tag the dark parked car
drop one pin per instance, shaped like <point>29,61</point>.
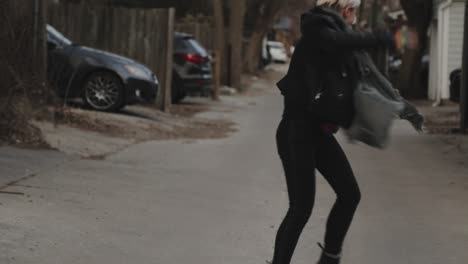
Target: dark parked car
<point>455,85</point>
<point>105,81</point>
<point>192,68</point>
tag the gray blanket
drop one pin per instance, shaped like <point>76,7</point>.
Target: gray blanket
<point>377,104</point>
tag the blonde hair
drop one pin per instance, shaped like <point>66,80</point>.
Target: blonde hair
<point>339,3</point>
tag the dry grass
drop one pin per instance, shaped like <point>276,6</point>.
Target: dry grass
<point>15,128</point>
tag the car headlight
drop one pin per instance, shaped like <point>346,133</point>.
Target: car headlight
<point>137,71</point>
<point>155,79</point>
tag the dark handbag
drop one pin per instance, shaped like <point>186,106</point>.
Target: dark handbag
<point>332,101</point>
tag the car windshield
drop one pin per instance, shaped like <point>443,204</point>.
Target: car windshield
<point>57,36</point>
<point>198,48</point>
<point>276,45</point>
<point>188,44</point>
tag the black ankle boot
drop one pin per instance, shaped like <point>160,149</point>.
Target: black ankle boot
<point>328,258</point>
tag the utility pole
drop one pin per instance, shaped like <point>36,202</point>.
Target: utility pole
<point>464,82</point>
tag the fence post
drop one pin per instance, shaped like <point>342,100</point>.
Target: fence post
<point>41,48</point>
<point>167,98</point>
<point>216,74</point>
<point>197,31</point>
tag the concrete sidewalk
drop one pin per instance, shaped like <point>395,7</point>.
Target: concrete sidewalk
<point>16,163</point>
<point>221,201</point>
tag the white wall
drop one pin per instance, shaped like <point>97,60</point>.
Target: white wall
<point>455,44</point>
<point>446,47</point>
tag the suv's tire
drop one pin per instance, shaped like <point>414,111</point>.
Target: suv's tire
<point>177,92</point>
<point>178,98</point>
<point>103,91</point>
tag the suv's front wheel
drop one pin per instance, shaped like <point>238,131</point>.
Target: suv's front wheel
<point>104,91</point>
<point>177,93</point>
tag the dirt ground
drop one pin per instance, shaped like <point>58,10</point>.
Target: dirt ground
<point>443,119</point>
<point>78,131</point>
<point>14,126</point>
<point>92,134</point>
<point>142,123</point>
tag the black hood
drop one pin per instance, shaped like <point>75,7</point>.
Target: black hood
<point>320,17</point>
<point>110,57</point>
<point>96,53</point>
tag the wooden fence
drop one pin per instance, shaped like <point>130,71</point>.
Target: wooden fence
<point>144,35</point>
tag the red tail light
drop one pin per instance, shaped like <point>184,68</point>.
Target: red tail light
<point>193,58</point>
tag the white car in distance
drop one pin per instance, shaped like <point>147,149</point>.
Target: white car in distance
<point>278,51</point>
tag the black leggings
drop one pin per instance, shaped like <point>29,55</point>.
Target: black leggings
<point>303,147</point>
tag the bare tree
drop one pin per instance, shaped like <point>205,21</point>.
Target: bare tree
<point>261,16</point>
<point>23,65</point>
<point>22,51</point>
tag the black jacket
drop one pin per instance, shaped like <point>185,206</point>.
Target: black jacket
<point>325,46</point>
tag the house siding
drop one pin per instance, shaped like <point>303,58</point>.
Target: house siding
<point>447,36</point>
<point>455,44</point>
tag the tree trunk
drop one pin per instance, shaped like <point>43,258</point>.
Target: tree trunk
<point>218,43</point>
<point>265,13</point>
<point>236,35</point>
<point>253,52</point>
<point>376,8</point>
<point>419,13</point>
